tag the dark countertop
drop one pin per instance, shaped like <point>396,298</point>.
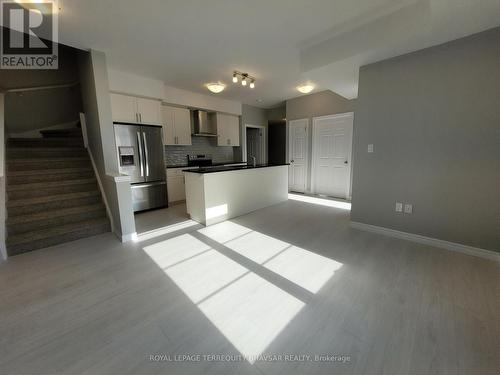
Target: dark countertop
<point>203,170</point>
<point>213,164</point>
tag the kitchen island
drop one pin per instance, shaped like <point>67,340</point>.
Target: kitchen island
<point>215,194</point>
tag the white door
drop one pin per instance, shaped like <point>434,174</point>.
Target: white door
<point>298,155</point>
<point>149,111</point>
<point>332,143</point>
<point>123,108</point>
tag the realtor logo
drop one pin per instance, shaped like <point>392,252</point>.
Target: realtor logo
<point>29,35</point>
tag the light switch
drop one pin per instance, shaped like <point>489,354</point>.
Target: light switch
<point>399,207</point>
<point>370,148</point>
<point>408,208</point>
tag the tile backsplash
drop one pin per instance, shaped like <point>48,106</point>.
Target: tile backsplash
<point>176,155</point>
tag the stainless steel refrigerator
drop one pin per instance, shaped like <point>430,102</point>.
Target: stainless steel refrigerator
<point>141,156</point>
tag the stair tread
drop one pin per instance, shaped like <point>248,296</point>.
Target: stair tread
<point>50,184</point>
<point>26,218</point>
<point>44,141</point>
<point>47,160</point>
<point>51,198</point>
<point>37,235</point>
<point>36,172</point>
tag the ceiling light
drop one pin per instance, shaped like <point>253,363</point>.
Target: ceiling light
<point>305,89</point>
<point>244,77</point>
<point>216,87</point>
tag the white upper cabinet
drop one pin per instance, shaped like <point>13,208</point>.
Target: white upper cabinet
<point>149,111</point>
<point>176,126</point>
<point>123,108</point>
<point>126,108</point>
<point>228,130</point>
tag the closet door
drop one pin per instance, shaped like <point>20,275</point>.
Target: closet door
<point>332,143</point>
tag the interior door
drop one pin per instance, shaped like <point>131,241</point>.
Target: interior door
<point>332,143</point>
<point>154,164</point>
<point>253,146</point>
<point>129,151</point>
<point>298,155</point>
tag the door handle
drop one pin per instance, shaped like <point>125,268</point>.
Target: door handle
<point>345,162</point>
<point>140,153</point>
<point>146,152</point>
<point>292,161</point>
<point>140,117</point>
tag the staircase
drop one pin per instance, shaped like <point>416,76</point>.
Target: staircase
<point>52,192</point>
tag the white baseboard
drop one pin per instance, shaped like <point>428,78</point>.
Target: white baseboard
<point>452,246</point>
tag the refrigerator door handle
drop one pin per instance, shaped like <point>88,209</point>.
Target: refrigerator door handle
<point>140,152</point>
<point>146,152</point>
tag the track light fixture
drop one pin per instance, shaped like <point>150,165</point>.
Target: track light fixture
<point>245,78</point>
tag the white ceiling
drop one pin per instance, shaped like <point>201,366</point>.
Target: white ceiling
<point>282,43</point>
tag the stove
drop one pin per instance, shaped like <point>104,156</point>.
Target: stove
<point>199,160</point>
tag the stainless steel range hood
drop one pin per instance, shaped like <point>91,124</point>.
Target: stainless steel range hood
<point>202,124</point>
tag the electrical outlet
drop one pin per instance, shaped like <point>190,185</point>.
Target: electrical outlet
<point>399,207</point>
<point>370,148</point>
<point>408,208</point>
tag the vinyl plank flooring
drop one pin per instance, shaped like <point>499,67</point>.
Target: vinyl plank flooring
<point>96,306</point>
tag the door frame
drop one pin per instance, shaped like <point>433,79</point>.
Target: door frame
<point>263,142</point>
<point>308,156</point>
<point>315,149</point>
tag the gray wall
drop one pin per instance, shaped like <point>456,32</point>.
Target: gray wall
<point>97,109</point>
<point>3,210</point>
<point>67,72</point>
<point>176,155</point>
<point>313,105</point>
<point>434,119</point>
<point>32,110</point>
<point>277,114</point>
<point>319,104</point>
<point>253,115</point>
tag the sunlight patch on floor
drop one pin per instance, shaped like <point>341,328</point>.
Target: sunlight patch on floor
<point>247,309</point>
<point>257,246</point>
<point>174,250</point>
<point>251,313</point>
<point>224,231</point>
<point>305,268</point>
<point>165,230</point>
<point>205,274</point>
<point>320,201</point>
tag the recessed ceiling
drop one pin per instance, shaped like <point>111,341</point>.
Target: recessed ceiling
<point>281,43</point>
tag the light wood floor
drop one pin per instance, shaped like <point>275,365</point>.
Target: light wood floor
<point>97,306</point>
